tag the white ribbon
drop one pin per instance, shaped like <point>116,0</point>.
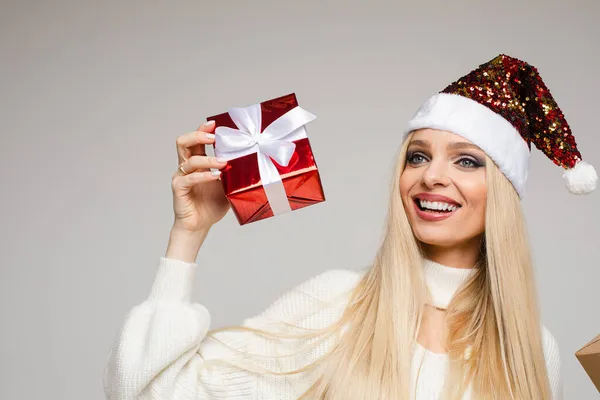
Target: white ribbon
<point>276,141</point>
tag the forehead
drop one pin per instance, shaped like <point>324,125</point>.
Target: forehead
<point>435,135</point>
<point>442,140</point>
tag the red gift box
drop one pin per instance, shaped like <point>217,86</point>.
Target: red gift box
<point>253,198</point>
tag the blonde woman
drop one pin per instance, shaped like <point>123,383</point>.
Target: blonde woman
<point>448,309</point>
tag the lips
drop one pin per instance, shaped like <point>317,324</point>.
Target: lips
<point>435,197</point>
<point>434,215</point>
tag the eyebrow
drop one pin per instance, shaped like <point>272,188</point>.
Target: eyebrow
<point>451,145</point>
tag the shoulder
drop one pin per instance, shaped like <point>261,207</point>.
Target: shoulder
<point>323,292</point>
<point>550,344</point>
<point>330,283</point>
<point>553,361</point>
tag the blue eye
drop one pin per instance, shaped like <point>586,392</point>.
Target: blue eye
<point>416,158</point>
<point>413,158</point>
<point>470,163</point>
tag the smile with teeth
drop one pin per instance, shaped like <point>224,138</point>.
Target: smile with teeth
<point>436,206</point>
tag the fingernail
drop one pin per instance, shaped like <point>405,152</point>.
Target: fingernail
<point>221,159</point>
<point>215,173</point>
<point>210,135</point>
<point>209,123</point>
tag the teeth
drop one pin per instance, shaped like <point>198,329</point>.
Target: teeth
<point>436,205</point>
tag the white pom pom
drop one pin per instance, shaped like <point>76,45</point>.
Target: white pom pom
<point>581,179</point>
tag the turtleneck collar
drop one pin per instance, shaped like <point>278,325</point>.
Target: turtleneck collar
<point>443,281</point>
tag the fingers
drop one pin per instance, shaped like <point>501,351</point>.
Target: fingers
<point>208,126</point>
<point>202,163</point>
<point>183,183</point>
<point>193,143</point>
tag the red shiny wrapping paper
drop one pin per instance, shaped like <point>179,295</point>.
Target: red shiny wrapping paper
<point>241,178</point>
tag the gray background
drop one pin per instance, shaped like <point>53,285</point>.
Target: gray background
<point>95,93</point>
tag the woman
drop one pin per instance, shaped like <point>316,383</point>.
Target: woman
<point>448,308</point>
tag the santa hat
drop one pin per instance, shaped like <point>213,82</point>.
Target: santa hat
<point>503,106</point>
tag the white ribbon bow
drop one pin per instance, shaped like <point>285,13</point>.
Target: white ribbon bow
<point>276,141</point>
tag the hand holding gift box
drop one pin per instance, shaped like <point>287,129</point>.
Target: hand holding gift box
<point>271,168</point>
<point>589,358</point>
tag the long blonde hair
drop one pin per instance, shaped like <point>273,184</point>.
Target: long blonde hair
<point>495,313</point>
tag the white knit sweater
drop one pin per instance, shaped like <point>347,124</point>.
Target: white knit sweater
<point>161,351</point>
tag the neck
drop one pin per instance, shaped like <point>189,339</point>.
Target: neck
<point>464,255</point>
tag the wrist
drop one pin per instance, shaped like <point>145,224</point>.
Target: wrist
<point>184,245</point>
<point>182,232</point>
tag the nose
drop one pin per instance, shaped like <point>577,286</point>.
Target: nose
<point>436,174</point>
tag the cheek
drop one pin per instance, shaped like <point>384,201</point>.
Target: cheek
<point>475,192</point>
<point>407,181</point>
<point>406,184</point>
<point>403,186</point>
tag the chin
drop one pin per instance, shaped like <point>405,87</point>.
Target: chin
<point>439,236</point>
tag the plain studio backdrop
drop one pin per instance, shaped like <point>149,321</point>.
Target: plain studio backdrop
<point>95,93</point>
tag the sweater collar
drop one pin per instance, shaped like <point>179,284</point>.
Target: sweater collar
<point>443,281</point>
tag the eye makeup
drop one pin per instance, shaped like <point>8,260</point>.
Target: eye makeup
<point>476,162</point>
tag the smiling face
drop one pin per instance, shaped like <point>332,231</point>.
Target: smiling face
<point>443,188</point>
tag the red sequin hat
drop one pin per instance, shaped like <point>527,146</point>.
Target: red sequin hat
<point>503,106</point>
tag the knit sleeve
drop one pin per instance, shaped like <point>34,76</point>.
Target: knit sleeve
<point>159,351</point>
<point>553,363</point>
<point>162,351</point>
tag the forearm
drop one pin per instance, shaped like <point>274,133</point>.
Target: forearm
<point>184,245</point>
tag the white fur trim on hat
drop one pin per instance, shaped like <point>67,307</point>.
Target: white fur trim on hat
<point>497,137</point>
